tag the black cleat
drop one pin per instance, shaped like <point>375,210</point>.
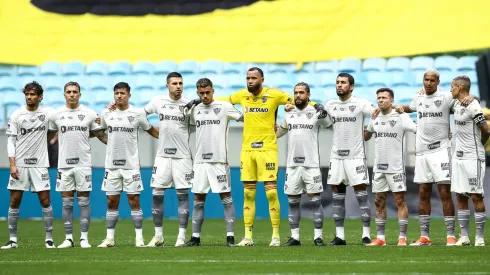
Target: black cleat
<point>193,242</point>
<point>337,241</point>
<point>230,241</point>
<point>366,241</point>
<point>319,242</point>
<point>292,242</point>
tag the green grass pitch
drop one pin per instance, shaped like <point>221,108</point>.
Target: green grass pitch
<point>215,258</point>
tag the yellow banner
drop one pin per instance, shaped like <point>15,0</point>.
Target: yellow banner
<point>278,31</point>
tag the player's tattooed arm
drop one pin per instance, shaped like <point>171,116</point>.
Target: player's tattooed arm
<point>479,119</point>
<point>154,132</point>
<point>101,135</point>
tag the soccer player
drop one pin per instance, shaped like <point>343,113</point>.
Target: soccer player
<point>122,161</point>
<point>74,124</point>
<point>468,166</point>
<point>211,169</point>
<point>433,153</point>
<point>389,129</point>
<point>173,161</point>
<point>28,156</point>
<point>303,163</point>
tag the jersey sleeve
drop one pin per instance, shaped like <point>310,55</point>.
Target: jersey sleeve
<point>52,121</point>
<point>234,98</point>
<point>150,107</point>
<point>367,108</point>
<point>370,127</point>
<point>103,116</point>
<point>413,104</point>
<point>12,126</point>
<point>448,97</point>
<point>143,121</point>
<point>192,119</point>
<point>476,113</point>
<point>231,112</point>
<point>93,125</point>
<point>284,98</point>
<point>408,124</point>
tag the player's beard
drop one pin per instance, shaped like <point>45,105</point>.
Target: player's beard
<point>301,105</point>
<point>253,89</point>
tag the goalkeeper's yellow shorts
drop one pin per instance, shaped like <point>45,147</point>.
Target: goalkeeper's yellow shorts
<point>258,166</point>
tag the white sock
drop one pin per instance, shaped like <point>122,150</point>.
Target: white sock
<point>69,236</point>
<point>159,232</point>
<point>182,232</point>
<point>14,239</point>
<point>196,235</point>
<point>110,234</point>
<point>366,232</point>
<point>139,232</point>
<point>318,233</point>
<point>230,234</point>
<point>84,235</point>
<point>295,233</point>
<point>339,231</point>
<point>381,237</point>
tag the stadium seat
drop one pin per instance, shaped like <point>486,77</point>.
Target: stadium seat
<point>316,94</point>
<point>143,83</point>
<point>327,66</point>
<point>313,80</point>
<point>143,68</point>
<point>446,78</point>
<point>165,67</point>
<point>281,68</point>
<point>421,63</point>
<point>475,90</point>
<point>9,84</point>
<point>306,68</point>
<point>377,79</point>
<point>120,68</point>
<point>32,71</point>
<point>330,93</point>
<point>234,68</point>
<point>97,68</point>
<point>102,99</point>
<point>154,120</point>
<point>350,65</point>
<point>11,101</point>
<point>368,93</point>
<point>401,79</point>
<point>188,67</point>
<point>280,81</point>
<point>190,81</point>
<point>54,99</point>
<point>374,64</point>
<point>7,71</point>
<point>360,79</point>
<point>146,96</point>
<point>263,66</point>
<point>211,67</point>
<point>160,84</point>
<point>237,82</point>
<point>473,77</point>
<point>405,93</point>
<point>53,83</point>
<point>73,68</point>
<point>328,79</point>
<point>397,64</point>
<point>99,84</point>
<point>445,63</point>
<point>219,81</point>
<point>466,63</point>
<point>51,68</point>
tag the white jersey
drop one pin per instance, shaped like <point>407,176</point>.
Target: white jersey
<point>468,134</point>
<point>433,113</point>
<point>348,126</point>
<point>389,131</point>
<point>74,126</point>
<point>303,126</point>
<point>212,130</point>
<point>122,136</point>
<point>30,130</point>
<point>174,126</point>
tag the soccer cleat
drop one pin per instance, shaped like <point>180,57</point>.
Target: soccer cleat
<point>319,242</point>
<point>140,242</point>
<point>463,241</point>
<point>402,241</point>
<point>292,242</point>
<point>246,242</point>
<point>50,244</point>
<point>275,242</point>
<point>107,243</point>
<point>450,241</point>
<point>423,241</point>
<point>194,241</point>
<point>84,243</point>
<point>180,242</point>
<point>10,244</point>
<point>67,243</point>
<point>337,241</point>
<point>365,241</point>
<point>156,242</point>
<point>377,242</point>
<point>230,241</point>
<point>479,242</point>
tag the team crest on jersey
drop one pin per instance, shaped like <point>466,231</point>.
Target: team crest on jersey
<point>392,123</point>
<point>352,108</point>
<point>62,118</point>
<point>427,106</point>
<point>81,117</point>
<point>70,117</point>
<point>438,103</point>
<point>130,119</point>
<point>32,119</point>
<point>216,110</point>
<point>181,108</point>
<point>171,107</point>
<point>41,117</point>
<point>206,112</point>
<point>264,99</point>
<point>341,109</point>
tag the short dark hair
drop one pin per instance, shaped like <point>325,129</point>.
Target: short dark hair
<point>465,80</point>
<point>33,86</point>
<point>122,85</point>
<point>173,74</point>
<point>72,83</point>
<point>258,70</point>
<point>303,84</point>
<point>349,77</point>
<point>203,83</point>
<point>390,91</point>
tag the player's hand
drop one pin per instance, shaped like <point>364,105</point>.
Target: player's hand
<point>111,106</point>
<point>14,172</point>
<point>421,91</point>
<point>375,113</point>
<point>289,107</point>
<point>191,104</point>
<point>276,127</point>
<point>54,139</point>
<point>399,109</point>
<point>450,136</point>
<point>97,119</point>
<point>467,100</point>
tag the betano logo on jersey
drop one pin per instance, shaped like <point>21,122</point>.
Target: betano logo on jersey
<point>203,122</point>
<point>65,129</point>
<point>24,131</point>
<point>343,119</point>
<point>300,126</point>
<point>255,110</point>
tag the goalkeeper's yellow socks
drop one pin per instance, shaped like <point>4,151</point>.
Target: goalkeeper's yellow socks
<point>249,211</point>
<point>274,210</point>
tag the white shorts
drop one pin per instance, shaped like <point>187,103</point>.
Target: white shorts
<point>301,180</point>
<point>433,167</point>
<point>467,176</point>
<point>211,175</point>
<point>74,179</point>
<point>350,172</point>
<point>171,172</point>
<point>118,180</point>
<point>384,182</point>
<point>34,178</point>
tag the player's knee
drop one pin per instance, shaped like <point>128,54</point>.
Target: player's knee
<point>379,200</point>
<point>478,202</point>
<point>182,194</point>
<point>271,195</point>
<point>270,186</point>
<point>249,194</point>
<point>83,201</point>
<point>134,201</point>
<point>400,202</point>
<point>294,200</point>
<point>200,197</point>
<point>45,202</point>
<point>15,202</point>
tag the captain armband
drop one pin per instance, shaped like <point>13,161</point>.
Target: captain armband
<point>479,118</point>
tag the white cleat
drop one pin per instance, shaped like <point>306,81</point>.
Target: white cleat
<point>246,242</point>
<point>180,242</point>
<point>479,242</point>
<point>140,242</point>
<point>50,244</point>
<point>84,243</point>
<point>10,244</point>
<point>156,242</point>
<point>275,242</point>
<point>107,243</point>
<point>67,243</point>
<point>463,241</point>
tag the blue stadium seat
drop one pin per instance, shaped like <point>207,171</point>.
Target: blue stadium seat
<point>130,79</point>
<point>313,80</point>
<point>445,63</point>
<point>280,81</point>
<point>143,83</point>
<point>405,93</point>
<point>100,84</point>
<point>401,79</point>
<point>219,81</point>
<point>446,78</point>
<point>51,68</point>
<point>421,63</point>
<point>330,93</point>
<point>306,68</point>
<point>211,67</point>
<point>143,68</point>
<point>466,63</point>
<point>9,84</point>
<point>188,67</point>
<point>53,83</point>
<point>27,71</point>
<point>473,77</point>
<point>331,66</point>
<point>165,67</point>
<point>397,64</point>
<point>403,101</point>
<point>120,68</point>
<point>378,79</point>
<point>135,101</point>
<point>317,93</point>
<point>475,90</point>
<point>350,65</point>
<point>234,68</point>
<point>73,68</point>
<point>374,64</point>
<point>190,81</point>
<point>237,82</point>
<point>146,96</point>
<point>263,66</point>
<point>12,101</point>
<point>7,71</point>
<point>219,92</point>
<point>329,80</point>
<point>154,120</point>
<point>360,79</point>
<point>281,68</point>
<point>54,99</point>
<point>102,99</point>
<point>97,68</point>
<point>160,84</point>
<point>368,93</point>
